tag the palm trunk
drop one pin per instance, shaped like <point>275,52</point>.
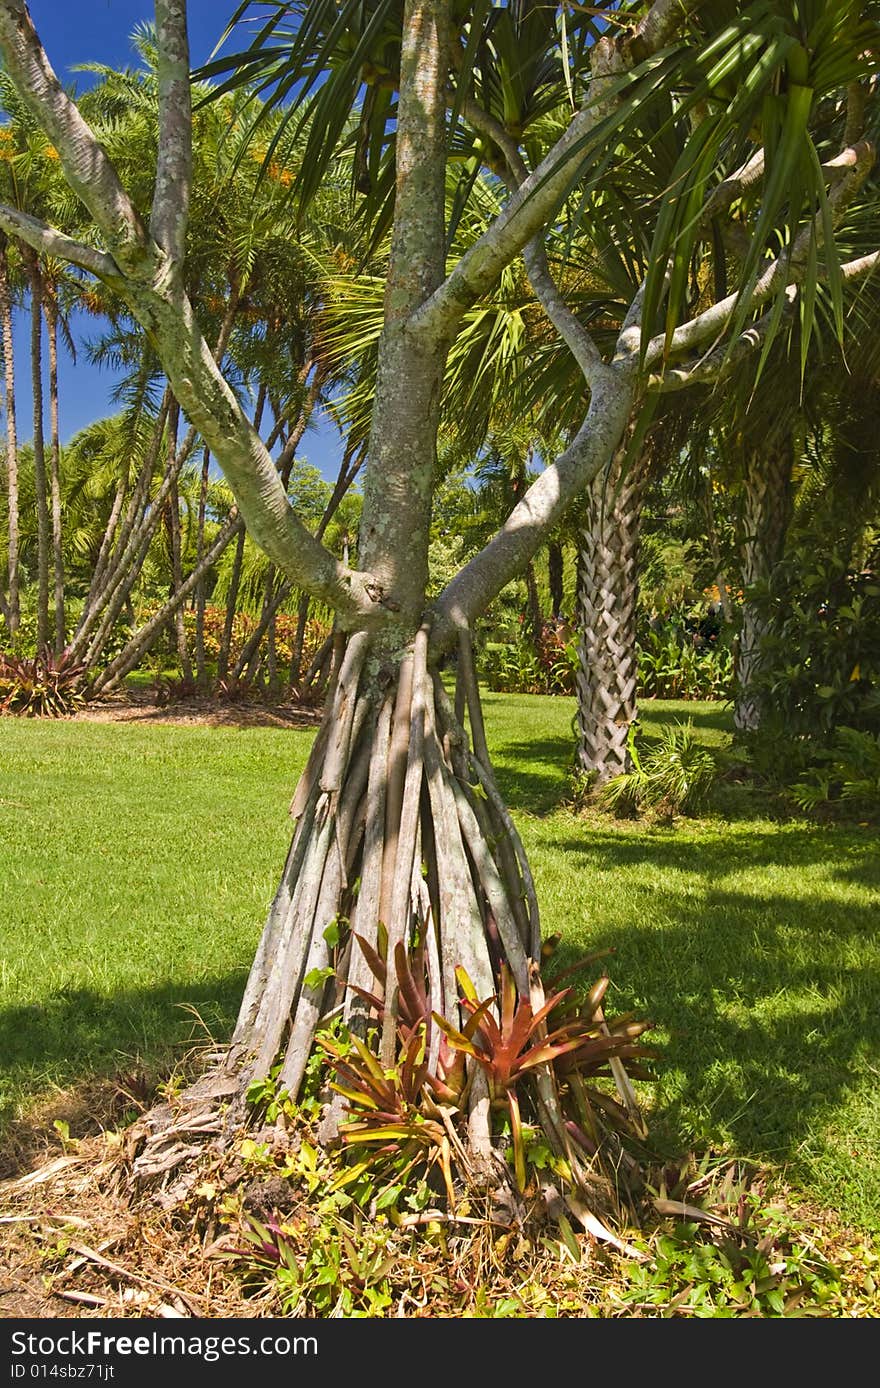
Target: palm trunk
<point>766,513</point>
<point>296,654</point>
<point>235,577</point>
<point>534,619</point>
<point>51,308</point>
<point>201,670</point>
<point>40,481</point>
<point>13,600</point>
<point>117,570</point>
<point>231,608</point>
<point>606,609</point>
<point>172,522</point>
<point>555,574</point>
<point>142,640</point>
<point>177,584</point>
<point>110,530</point>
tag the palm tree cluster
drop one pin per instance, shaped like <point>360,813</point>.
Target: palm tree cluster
<point>119,537</point>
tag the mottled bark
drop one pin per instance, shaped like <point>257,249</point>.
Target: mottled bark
<point>148,276</point>
<point>399,482</point>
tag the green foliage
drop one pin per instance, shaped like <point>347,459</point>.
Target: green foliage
<point>671,667</point>
<point>340,1268</point>
<point>673,775</point>
<point>41,686</point>
<point>515,667</point>
<point>821,661</point>
<point>674,662</point>
<point>847,774</point>
<point>773,1272</point>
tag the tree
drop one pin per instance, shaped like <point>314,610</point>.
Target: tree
<point>391,778</point>
<point>12,499</point>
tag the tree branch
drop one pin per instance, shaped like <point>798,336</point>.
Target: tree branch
<point>86,167</point>
<point>717,365</point>
<point>538,197</point>
<point>712,322</point>
<point>572,332</point>
<point>546,500</point>
<point>48,241</point>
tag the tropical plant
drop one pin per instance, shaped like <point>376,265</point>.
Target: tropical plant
<point>847,775</point>
<point>672,774</point>
<point>671,666</point>
<point>821,654</point>
<point>519,1043</point>
<point>41,686</point>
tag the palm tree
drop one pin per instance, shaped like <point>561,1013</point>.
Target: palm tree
<point>12,499</point>
<point>393,773</point>
<point>51,311</point>
<point>41,493</point>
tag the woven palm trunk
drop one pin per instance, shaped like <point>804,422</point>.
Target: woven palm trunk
<point>606,608</point>
<point>766,512</point>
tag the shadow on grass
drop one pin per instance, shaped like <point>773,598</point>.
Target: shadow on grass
<point>770,1000</point>
<point>659,714</point>
<point>534,776</point>
<point>79,1036</point>
<point>794,844</point>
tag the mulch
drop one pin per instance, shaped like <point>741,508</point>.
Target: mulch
<point>199,712</point>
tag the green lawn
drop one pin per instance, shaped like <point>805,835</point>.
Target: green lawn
<point>137,861</point>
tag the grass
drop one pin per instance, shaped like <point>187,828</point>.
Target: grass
<point>138,860</point>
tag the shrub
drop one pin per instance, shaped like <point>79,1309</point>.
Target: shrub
<point>673,667</point>
<point>673,663</point>
<point>821,662</point>
<point>673,775</point>
<point>41,686</point>
<point>513,668</point>
<point>848,773</point>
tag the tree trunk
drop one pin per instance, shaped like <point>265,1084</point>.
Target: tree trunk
<point>40,481</point>
<point>606,612</point>
<point>142,640</point>
<point>534,618</point>
<point>177,583</point>
<point>296,653</point>
<point>51,308</point>
<point>231,608</point>
<point>119,569</point>
<point>201,668</point>
<point>13,601</point>
<point>766,513</point>
<point>555,576</point>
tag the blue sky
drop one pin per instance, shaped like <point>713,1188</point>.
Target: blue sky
<point>80,31</point>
